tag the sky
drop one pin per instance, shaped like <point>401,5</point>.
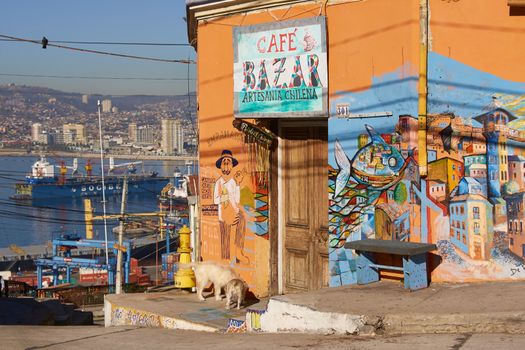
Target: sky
<point>158,21</point>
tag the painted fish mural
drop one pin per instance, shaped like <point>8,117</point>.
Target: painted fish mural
<point>378,164</point>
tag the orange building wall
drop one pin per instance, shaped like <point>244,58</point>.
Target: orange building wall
<point>215,99</point>
<point>480,34</point>
<point>364,39</point>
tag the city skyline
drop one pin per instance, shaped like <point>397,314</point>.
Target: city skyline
<point>116,21</point>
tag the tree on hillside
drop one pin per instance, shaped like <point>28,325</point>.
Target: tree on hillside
<point>400,193</point>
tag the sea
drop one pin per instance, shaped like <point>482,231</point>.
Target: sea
<point>36,223</point>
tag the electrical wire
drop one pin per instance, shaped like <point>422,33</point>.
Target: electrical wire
<point>101,52</point>
<point>88,77</point>
<point>108,43</point>
<point>29,206</point>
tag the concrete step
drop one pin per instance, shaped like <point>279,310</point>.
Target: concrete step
<point>81,318</point>
<point>285,317</point>
<point>97,311</point>
<point>291,316</point>
<point>61,314</point>
<point>66,313</point>
<point>491,322</point>
<point>24,311</point>
<point>387,307</point>
<point>174,309</point>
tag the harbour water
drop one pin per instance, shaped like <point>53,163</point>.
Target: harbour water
<point>31,223</point>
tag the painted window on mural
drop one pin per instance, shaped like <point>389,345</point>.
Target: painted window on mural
<point>475,212</point>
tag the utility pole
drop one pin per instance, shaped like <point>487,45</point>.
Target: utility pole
<point>422,88</point>
<point>118,282</point>
<point>103,187</point>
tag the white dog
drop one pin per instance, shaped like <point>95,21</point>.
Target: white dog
<point>206,272</point>
<point>235,291</point>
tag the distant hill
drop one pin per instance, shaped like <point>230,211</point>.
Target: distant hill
<point>31,95</point>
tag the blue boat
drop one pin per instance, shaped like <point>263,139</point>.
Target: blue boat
<point>44,184</point>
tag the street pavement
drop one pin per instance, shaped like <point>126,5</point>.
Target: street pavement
<point>97,337</point>
<point>379,308</point>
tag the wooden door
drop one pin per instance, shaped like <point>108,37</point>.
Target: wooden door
<point>477,251</point>
<point>305,203</point>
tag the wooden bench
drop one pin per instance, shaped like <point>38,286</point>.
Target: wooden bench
<point>414,260</point>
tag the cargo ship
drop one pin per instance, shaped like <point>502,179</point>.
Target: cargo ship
<point>44,184</point>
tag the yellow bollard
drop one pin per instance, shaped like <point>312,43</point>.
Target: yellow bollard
<point>184,277</point>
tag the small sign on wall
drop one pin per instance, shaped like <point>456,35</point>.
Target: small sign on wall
<point>280,69</point>
<point>342,110</point>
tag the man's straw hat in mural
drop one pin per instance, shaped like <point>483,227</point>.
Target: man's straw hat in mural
<point>226,154</point>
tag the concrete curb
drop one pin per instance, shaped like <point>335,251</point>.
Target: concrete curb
<point>285,317</point>
<point>493,322</point>
<point>115,315</point>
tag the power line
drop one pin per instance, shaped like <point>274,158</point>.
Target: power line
<point>100,52</point>
<point>32,206</point>
<point>107,43</point>
<point>88,77</point>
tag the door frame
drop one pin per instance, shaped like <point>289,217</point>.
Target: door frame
<point>280,190</point>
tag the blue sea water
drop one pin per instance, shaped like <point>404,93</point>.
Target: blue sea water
<point>26,223</point>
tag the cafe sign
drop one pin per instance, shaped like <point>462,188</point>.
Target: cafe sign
<point>280,69</point>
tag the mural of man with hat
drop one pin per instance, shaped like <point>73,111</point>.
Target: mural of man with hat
<point>227,196</point>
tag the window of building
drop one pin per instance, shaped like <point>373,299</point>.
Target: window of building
<point>511,241</point>
<point>464,239</point>
<point>462,209</point>
<point>463,225</point>
<point>475,211</point>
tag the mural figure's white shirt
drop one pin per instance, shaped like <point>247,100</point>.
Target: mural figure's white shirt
<point>230,192</point>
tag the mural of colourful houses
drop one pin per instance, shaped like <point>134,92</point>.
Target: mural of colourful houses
<point>471,201</point>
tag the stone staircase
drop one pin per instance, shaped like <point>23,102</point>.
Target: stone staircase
<point>30,311</point>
